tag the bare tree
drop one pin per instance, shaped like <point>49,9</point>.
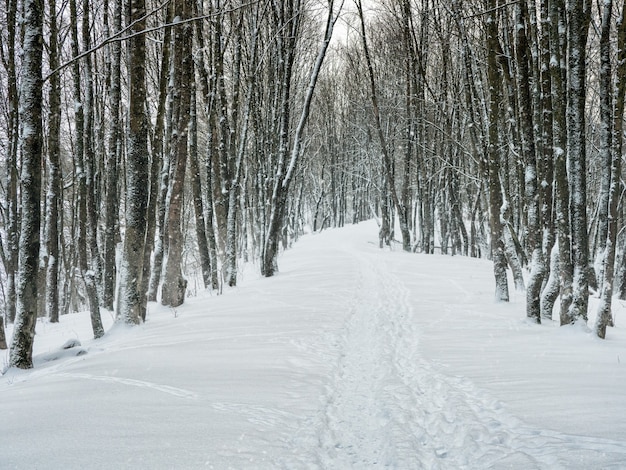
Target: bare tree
<point>131,298</point>
<point>534,233</point>
<point>174,284</point>
<point>286,168</point>
<point>53,196</point>
<point>495,194</point>
<point>21,353</point>
<point>613,126</point>
<point>578,19</point>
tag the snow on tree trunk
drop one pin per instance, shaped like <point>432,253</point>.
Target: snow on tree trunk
<point>30,104</point>
<point>562,212</point>
<point>552,287</point>
<point>111,186</point>
<point>12,236</point>
<point>196,189</point>
<point>285,170</point>
<point>130,297</point>
<point>577,28</point>
<point>400,206</point>
<point>495,192</point>
<point>174,283</point>
<point>53,196</point>
<point>534,232</point>
<point>614,133</point>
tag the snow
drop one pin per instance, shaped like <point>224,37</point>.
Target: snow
<point>351,357</point>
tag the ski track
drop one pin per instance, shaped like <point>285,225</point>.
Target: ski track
<point>387,407</point>
<point>174,391</point>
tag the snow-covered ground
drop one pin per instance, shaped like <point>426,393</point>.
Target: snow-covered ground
<point>352,357</point>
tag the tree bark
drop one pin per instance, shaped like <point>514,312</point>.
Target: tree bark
<point>534,229</point>
<point>399,205</point>
<point>21,353</point>
<point>495,192</point>
<point>612,130</point>
<point>53,197</point>
<point>174,283</point>
<point>578,15</point>
<point>285,173</point>
<point>111,179</point>
<point>131,298</point>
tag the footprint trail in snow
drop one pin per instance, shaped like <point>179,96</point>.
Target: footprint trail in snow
<point>388,407</point>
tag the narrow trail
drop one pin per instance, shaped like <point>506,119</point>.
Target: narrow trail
<point>388,407</point>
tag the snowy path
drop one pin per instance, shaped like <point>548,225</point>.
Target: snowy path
<point>390,408</point>
<point>351,358</point>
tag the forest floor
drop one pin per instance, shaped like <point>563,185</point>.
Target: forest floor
<point>352,357</point>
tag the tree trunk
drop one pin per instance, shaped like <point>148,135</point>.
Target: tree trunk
<point>112,174</point>
<point>21,353</point>
<point>562,215</point>
<point>159,174</point>
<point>13,227</point>
<point>196,187</point>
<point>612,130</point>
<point>398,204</point>
<point>552,288</point>
<point>53,202</point>
<point>534,238</point>
<point>131,298</point>
<point>495,192</point>
<point>577,28</point>
<point>174,284</point>
<point>90,266</point>
<point>285,173</point>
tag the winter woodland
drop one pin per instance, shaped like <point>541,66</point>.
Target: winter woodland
<point>149,149</point>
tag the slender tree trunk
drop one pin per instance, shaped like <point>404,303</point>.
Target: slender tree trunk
<point>495,192</point>
<point>112,174</point>
<point>196,187</point>
<point>159,176</point>
<point>285,173</point>
<point>577,28</point>
<point>21,353</point>
<point>87,216</point>
<point>236,183</point>
<point>562,215</point>
<point>131,298</point>
<point>399,205</point>
<point>534,238</point>
<point>12,250</point>
<point>174,284</point>
<point>546,188</point>
<point>208,88</point>
<point>612,130</point>
<point>54,174</point>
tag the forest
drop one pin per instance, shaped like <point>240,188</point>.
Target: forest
<point>149,148</point>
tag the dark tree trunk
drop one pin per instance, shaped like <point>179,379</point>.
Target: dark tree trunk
<point>578,18</point>
<point>399,205</point>
<point>131,298</point>
<point>495,192</point>
<point>562,214</point>
<point>90,266</point>
<point>112,174</point>
<point>612,129</point>
<point>159,177</point>
<point>12,249</point>
<point>174,284</point>
<point>53,202</point>
<point>534,238</point>
<point>196,187</point>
